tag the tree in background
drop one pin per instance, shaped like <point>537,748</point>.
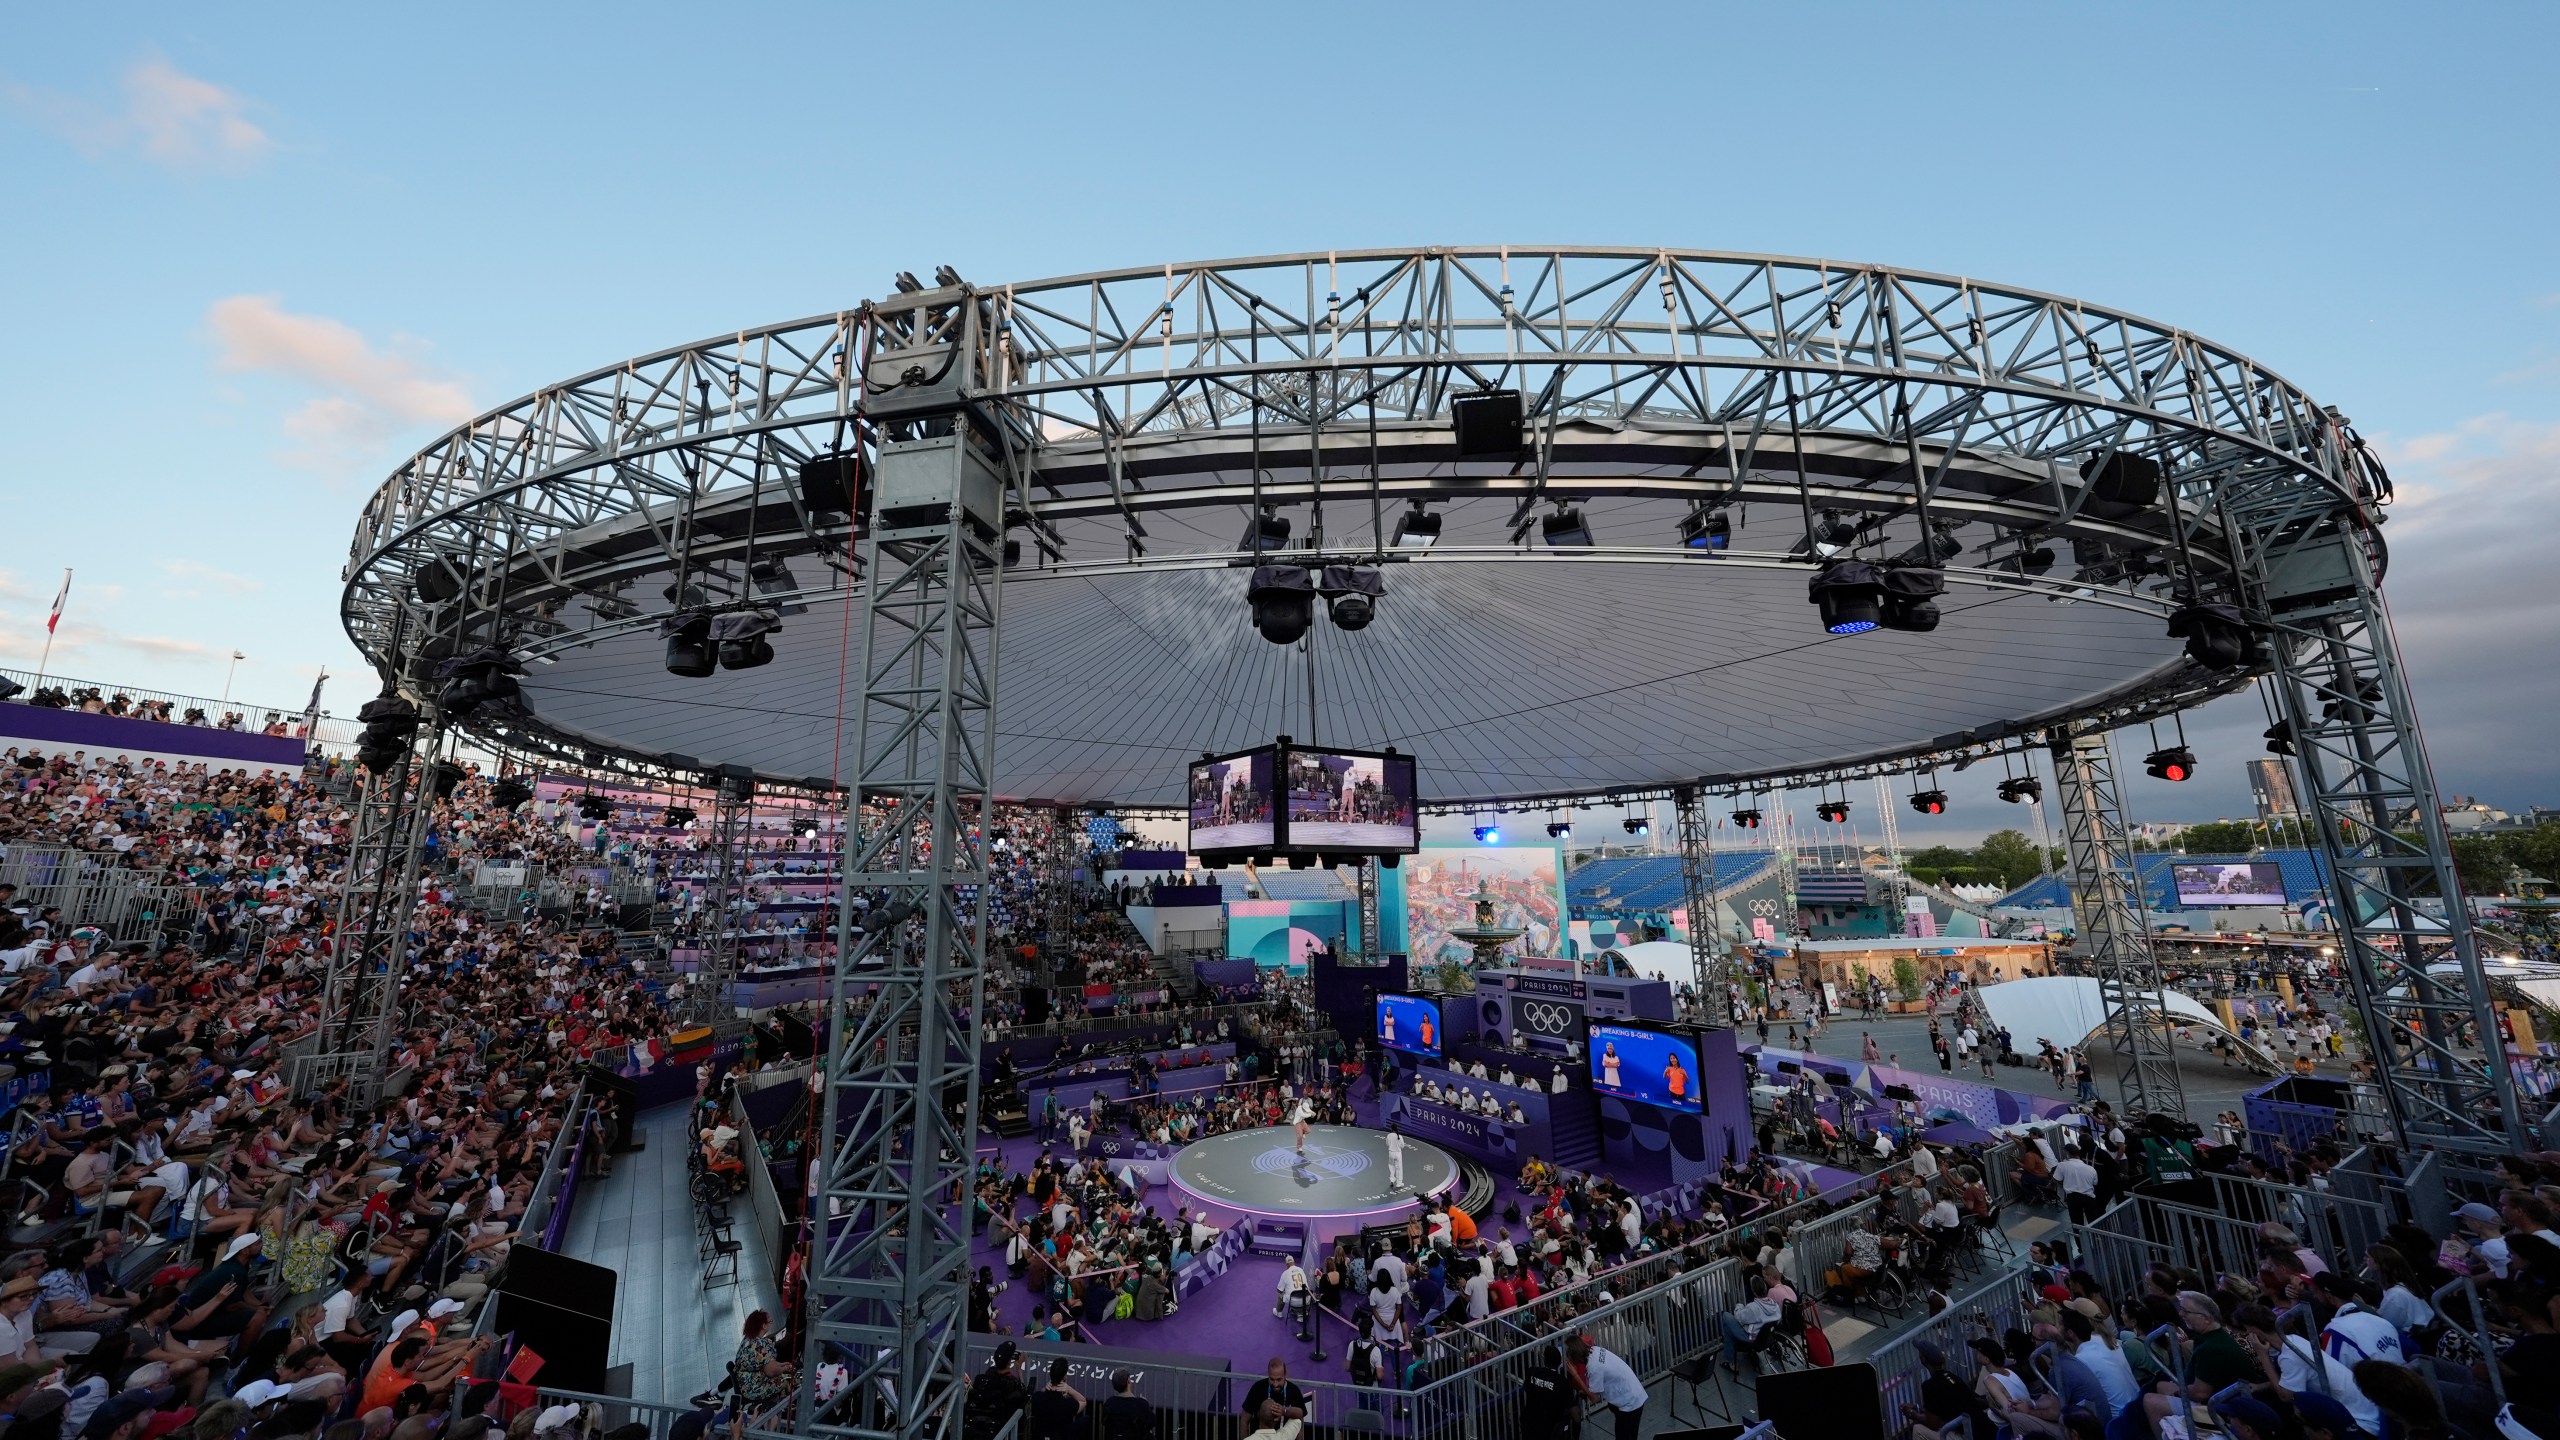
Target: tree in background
<point>2221,837</point>
<point>2010,853</point>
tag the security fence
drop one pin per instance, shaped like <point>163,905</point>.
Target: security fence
<point>94,890</point>
<point>1994,1308</point>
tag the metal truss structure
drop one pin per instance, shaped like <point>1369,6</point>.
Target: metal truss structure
<point>2342,704</point>
<point>1128,422</point>
<point>360,997</point>
<point>1371,951</point>
<point>713,997</point>
<point>1698,893</point>
<point>1060,860</point>
<point>2114,930</point>
<point>889,1256</point>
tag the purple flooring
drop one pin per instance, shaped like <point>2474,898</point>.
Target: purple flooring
<point>1230,1319</point>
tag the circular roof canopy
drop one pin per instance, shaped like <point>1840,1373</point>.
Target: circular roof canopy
<point>1506,676</point>
<point>2083,468</point>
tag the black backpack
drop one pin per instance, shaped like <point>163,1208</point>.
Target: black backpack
<point>1364,1362</point>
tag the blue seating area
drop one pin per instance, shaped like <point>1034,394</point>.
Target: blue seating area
<point>2305,878</point>
<point>1642,883</point>
<point>1282,883</point>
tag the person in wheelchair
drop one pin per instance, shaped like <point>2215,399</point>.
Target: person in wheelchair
<point>720,1157</point>
<point>1855,1275</point>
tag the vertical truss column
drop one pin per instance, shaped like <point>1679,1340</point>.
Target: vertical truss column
<point>386,844</point>
<point>2415,975</point>
<point>1059,861</point>
<point>1371,951</point>
<point>713,999</point>
<point>1897,891</point>
<point>2115,934</point>
<point>889,1249</point>
<point>1782,849</point>
<point>1698,893</point>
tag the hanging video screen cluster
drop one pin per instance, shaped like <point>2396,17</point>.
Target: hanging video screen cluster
<point>1304,799</point>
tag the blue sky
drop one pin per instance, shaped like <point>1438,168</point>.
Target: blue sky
<point>251,258</point>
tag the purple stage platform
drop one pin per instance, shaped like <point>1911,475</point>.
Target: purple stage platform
<point>1338,1185</point>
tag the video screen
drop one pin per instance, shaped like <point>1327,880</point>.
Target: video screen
<point>1409,1023</point>
<point>1646,1066</point>
<point>2211,886</point>
<point>1231,803</point>
<point>1345,801</point>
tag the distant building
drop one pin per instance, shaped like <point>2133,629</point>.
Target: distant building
<point>2271,784</point>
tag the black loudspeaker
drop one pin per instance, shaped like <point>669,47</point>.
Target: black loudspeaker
<point>633,915</point>
<point>1035,1004</point>
<point>2124,480</point>
<point>1487,424</point>
<point>563,1309</point>
<point>1839,1403</point>
<point>798,1040</point>
<point>832,485</point>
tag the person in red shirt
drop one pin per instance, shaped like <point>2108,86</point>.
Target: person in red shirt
<point>1527,1286</point>
<point>1502,1295</point>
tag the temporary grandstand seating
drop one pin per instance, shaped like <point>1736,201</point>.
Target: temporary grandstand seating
<point>1642,884</point>
<point>2305,878</point>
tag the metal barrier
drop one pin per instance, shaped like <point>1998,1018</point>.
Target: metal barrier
<point>2117,1248</point>
<point>2001,1303</point>
<point>1818,1244</point>
<point>2340,1226</point>
<point>92,889</point>
<point>332,730</point>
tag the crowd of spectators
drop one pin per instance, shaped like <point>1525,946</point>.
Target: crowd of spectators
<point>195,1243</point>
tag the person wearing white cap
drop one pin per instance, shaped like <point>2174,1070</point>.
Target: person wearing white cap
<point>556,1418</point>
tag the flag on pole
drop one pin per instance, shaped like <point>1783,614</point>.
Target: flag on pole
<point>59,597</point>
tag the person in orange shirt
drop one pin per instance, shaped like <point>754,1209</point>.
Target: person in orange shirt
<point>1675,1078</point>
<point>1426,1032</point>
<point>1462,1226</point>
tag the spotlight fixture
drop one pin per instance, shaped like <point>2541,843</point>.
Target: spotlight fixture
<point>2218,637</point>
<point>1265,533</point>
<point>592,806</point>
<point>1910,595</point>
<point>1559,830</point>
<point>2021,789</point>
<point>1939,547</point>
<point>1929,802</point>
<point>679,817</point>
<point>1711,532</point>
<point>2031,560</point>
<point>1832,534</point>
<point>804,827</point>
<point>1351,594</point>
<point>1283,598</point>
<point>691,651</point>
<point>2175,763</point>
<point>771,576</point>
<point>2279,739</point>
<point>443,778</point>
<point>9,688</point>
<point>1834,811</point>
<point>1850,595</point>
<point>1634,825</point>
<point>389,722</point>
<point>1416,529</point>
<point>1488,834</point>
<point>1565,527</point>
<point>1746,819</point>
<point>510,793</point>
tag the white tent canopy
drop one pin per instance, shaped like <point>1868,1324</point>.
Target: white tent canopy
<point>1660,960</point>
<point>2067,1010</point>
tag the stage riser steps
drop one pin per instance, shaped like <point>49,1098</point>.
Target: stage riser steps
<point>1577,1136</point>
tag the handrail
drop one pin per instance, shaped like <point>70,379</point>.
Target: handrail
<point>540,1202</point>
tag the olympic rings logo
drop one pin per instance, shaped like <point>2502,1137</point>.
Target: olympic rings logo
<point>1545,1018</point>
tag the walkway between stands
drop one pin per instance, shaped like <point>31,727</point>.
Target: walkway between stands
<point>676,1337</point>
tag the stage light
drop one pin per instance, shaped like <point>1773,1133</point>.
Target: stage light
<point>510,793</point>
<point>679,817</point>
<point>2279,739</point>
<point>1636,826</point>
<point>1488,834</point>
<point>1746,819</point>
<point>1565,527</point>
<point>2033,560</point>
<point>1909,595</point>
<point>806,826</point>
<point>1832,811</point>
<point>1929,802</point>
<point>1416,529</point>
<point>2175,763</point>
<point>2021,789</point>
<point>1559,831</point>
<point>1939,547</point>
<point>9,689</point>
<point>771,576</point>
<point>1351,594</point>
<point>1283,598</point>
<point>443,778</point>
<point>1850,596</point>
<point>1710,532</point>
<point>690,651</point>
<point>1264,533</point>
<point>2218,636</point>
<point>389,722</point>
<point>1833,534</point>
<point>592,806</point>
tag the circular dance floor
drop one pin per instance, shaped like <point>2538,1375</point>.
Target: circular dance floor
<point>1342,1175</point>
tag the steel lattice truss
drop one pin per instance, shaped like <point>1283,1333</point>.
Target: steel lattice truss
<point>713,997</point>
<point>360,995</point>
<point>2114,929</point>
<point>1698,894</point>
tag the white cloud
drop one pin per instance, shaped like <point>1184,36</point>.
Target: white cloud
<point>367,394</point>
<point>180,120</point>
<point>222,579</point>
